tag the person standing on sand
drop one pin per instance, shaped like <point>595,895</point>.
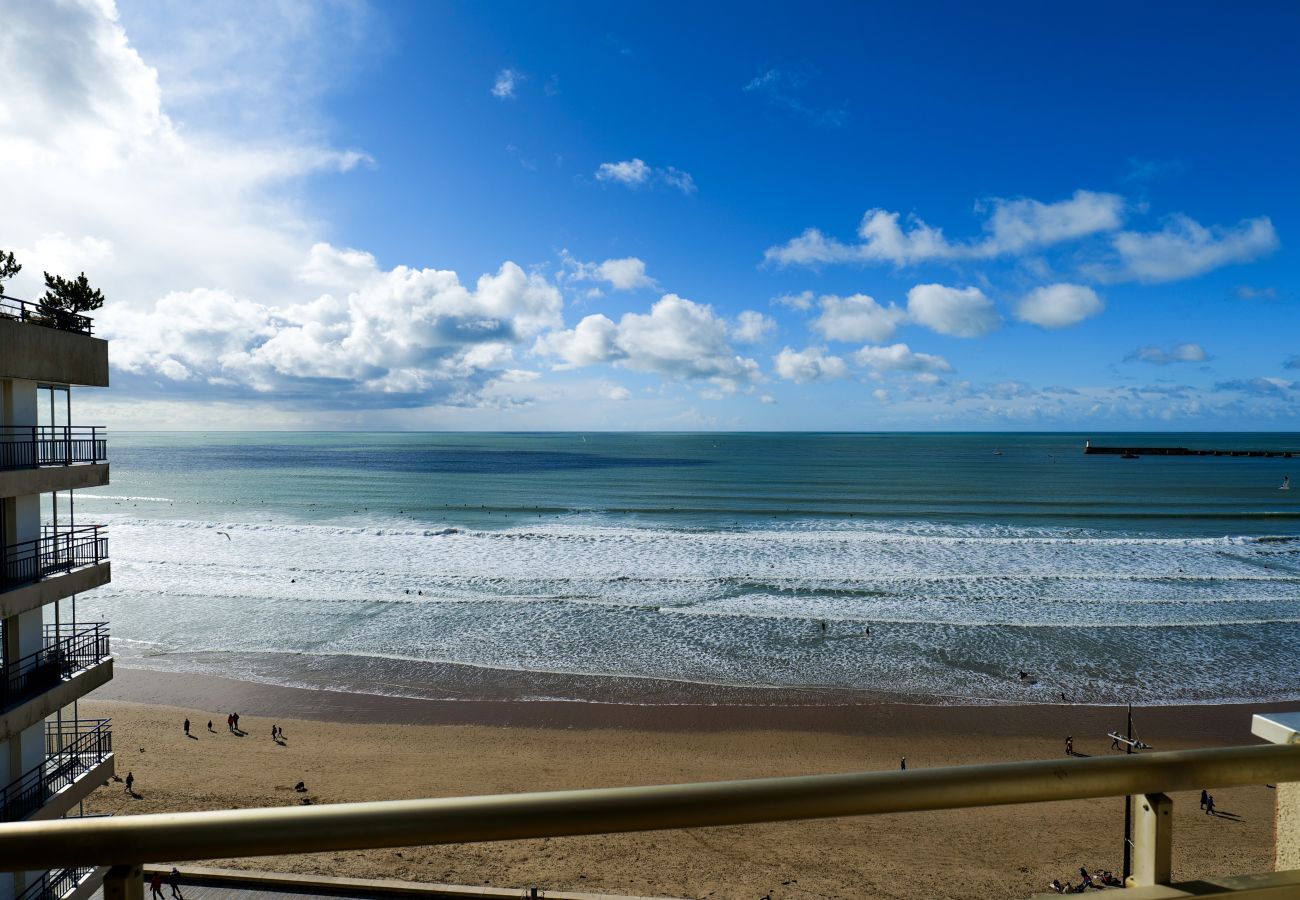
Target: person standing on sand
<point>187,727</point>
<point>1205,797</point>
<point>1069,746</point>
<point>130,783</point>
<point>235,718</point>
<point>210,728</point>
<point>902,765</point>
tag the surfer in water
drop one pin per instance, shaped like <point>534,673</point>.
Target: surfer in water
<point>1286,483</point>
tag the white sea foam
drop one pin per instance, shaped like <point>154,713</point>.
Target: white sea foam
<point>952,609</point>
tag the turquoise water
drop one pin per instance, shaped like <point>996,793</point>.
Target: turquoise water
<point>366,561</point>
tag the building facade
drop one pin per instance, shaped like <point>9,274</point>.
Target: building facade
<point>50,757</point>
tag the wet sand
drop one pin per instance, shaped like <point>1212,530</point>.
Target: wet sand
<point>358,747</point>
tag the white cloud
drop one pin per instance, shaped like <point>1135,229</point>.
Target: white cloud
<point>809,364</point>
<point>1184,248</point>
<point>627,273</point>
<point>1059,305</point>
<point>636,173</point>
<point>800,301</point>
<point>1013,226</point>
<point>678,339</point>
<point>617,392</point>
<point>900,358</point>
<point>1175,354</point>
<point>398,337</point>
<point>751,327</point>
<point>506,82</point>
<point>857,318</point>
<point>959,312</point>
<point>631,172</point>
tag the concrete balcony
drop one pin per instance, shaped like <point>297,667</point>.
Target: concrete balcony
<point>35,350</point>
<point>56,554</point>
<point>36,459</point>
<point>73,662</point>
<point>78,759</point>
<point>64,884</point>
<point>20,599</point>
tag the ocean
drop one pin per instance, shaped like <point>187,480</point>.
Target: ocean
<point>657,567</point>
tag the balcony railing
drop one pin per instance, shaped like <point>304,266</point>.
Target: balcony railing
<point>56,884</point>
<point>68,649</point>
<point>33,446</point>
<point>72,749</point>
<point>56,550</point>
<point>126,841</point>
<point>13,308</point>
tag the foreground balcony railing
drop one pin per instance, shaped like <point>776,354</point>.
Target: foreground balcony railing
<point>13,308</point>
<point>57,884</point>
<point>72,749</point>
<point>68,649</point>
<point>55,551</point>
<point>127,841</point>
<point>33,446</point>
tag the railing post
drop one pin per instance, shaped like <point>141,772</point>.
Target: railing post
<point>1153,832</point>
<point>124,883</point>
<point>1283,728</point>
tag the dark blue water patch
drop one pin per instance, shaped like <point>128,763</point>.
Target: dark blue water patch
<point>433,460</point>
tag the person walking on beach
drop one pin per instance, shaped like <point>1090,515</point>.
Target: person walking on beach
<point>210,728</point>
<point>130,784</point>
<point>155,886</point>
<point>235,718</point>
<point>230,722</point>
<point>1205,797</point>
<point>187,727</point>
<point>902,765</point>
<point>1209,805</point>
<point>1069,746</point>
<point>174,880</point>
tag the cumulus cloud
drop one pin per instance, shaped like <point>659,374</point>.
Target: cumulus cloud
<point>627,273</point>
<point>636,173</point>
<point>506,82</point>
<point>1012,226</point>
<point>809,364</point>
<point>1059,305</point>
<point>617,392</point>
<point>1184,249</point>
<point>959,312</point>
<point>801,301</point>
<point>752,327</point>
<point>900,358</point>
<point>678,339</point>
<point>1162,357</point>
<point>398,337</point>
<point>856,318</point>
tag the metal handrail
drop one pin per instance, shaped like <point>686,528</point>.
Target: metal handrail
<point>13,308</point>
<point>455,820</point>
<point>56,884</point>
<point>34,446</point>
<point>68,649</point>
<point>71,750</point>
<point>56,550</point>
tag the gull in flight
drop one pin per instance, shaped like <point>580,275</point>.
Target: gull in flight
<point>223,533</point>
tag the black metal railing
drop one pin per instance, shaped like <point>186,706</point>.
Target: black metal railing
<point>56,550</point>
<point>72,749</point>
<point>31,446</point>
<point>55,884</point>
<point>68,649</point>
<point>13,308</point>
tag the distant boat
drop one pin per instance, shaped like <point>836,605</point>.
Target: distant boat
<point>1286,483</point>
<point>1129,456</point>
<point>997,452</point>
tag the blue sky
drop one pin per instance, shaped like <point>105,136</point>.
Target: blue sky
<point>824,217</point>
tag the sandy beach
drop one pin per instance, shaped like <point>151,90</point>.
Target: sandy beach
<point>351,747</point>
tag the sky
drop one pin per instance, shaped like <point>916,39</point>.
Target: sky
<point>592,216</point>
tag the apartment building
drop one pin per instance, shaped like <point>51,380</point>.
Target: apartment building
<point>50,757</point>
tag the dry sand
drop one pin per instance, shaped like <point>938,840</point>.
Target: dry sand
<point>349,748</point>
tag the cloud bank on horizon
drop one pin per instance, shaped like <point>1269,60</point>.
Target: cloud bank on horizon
<point>236,297</point>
